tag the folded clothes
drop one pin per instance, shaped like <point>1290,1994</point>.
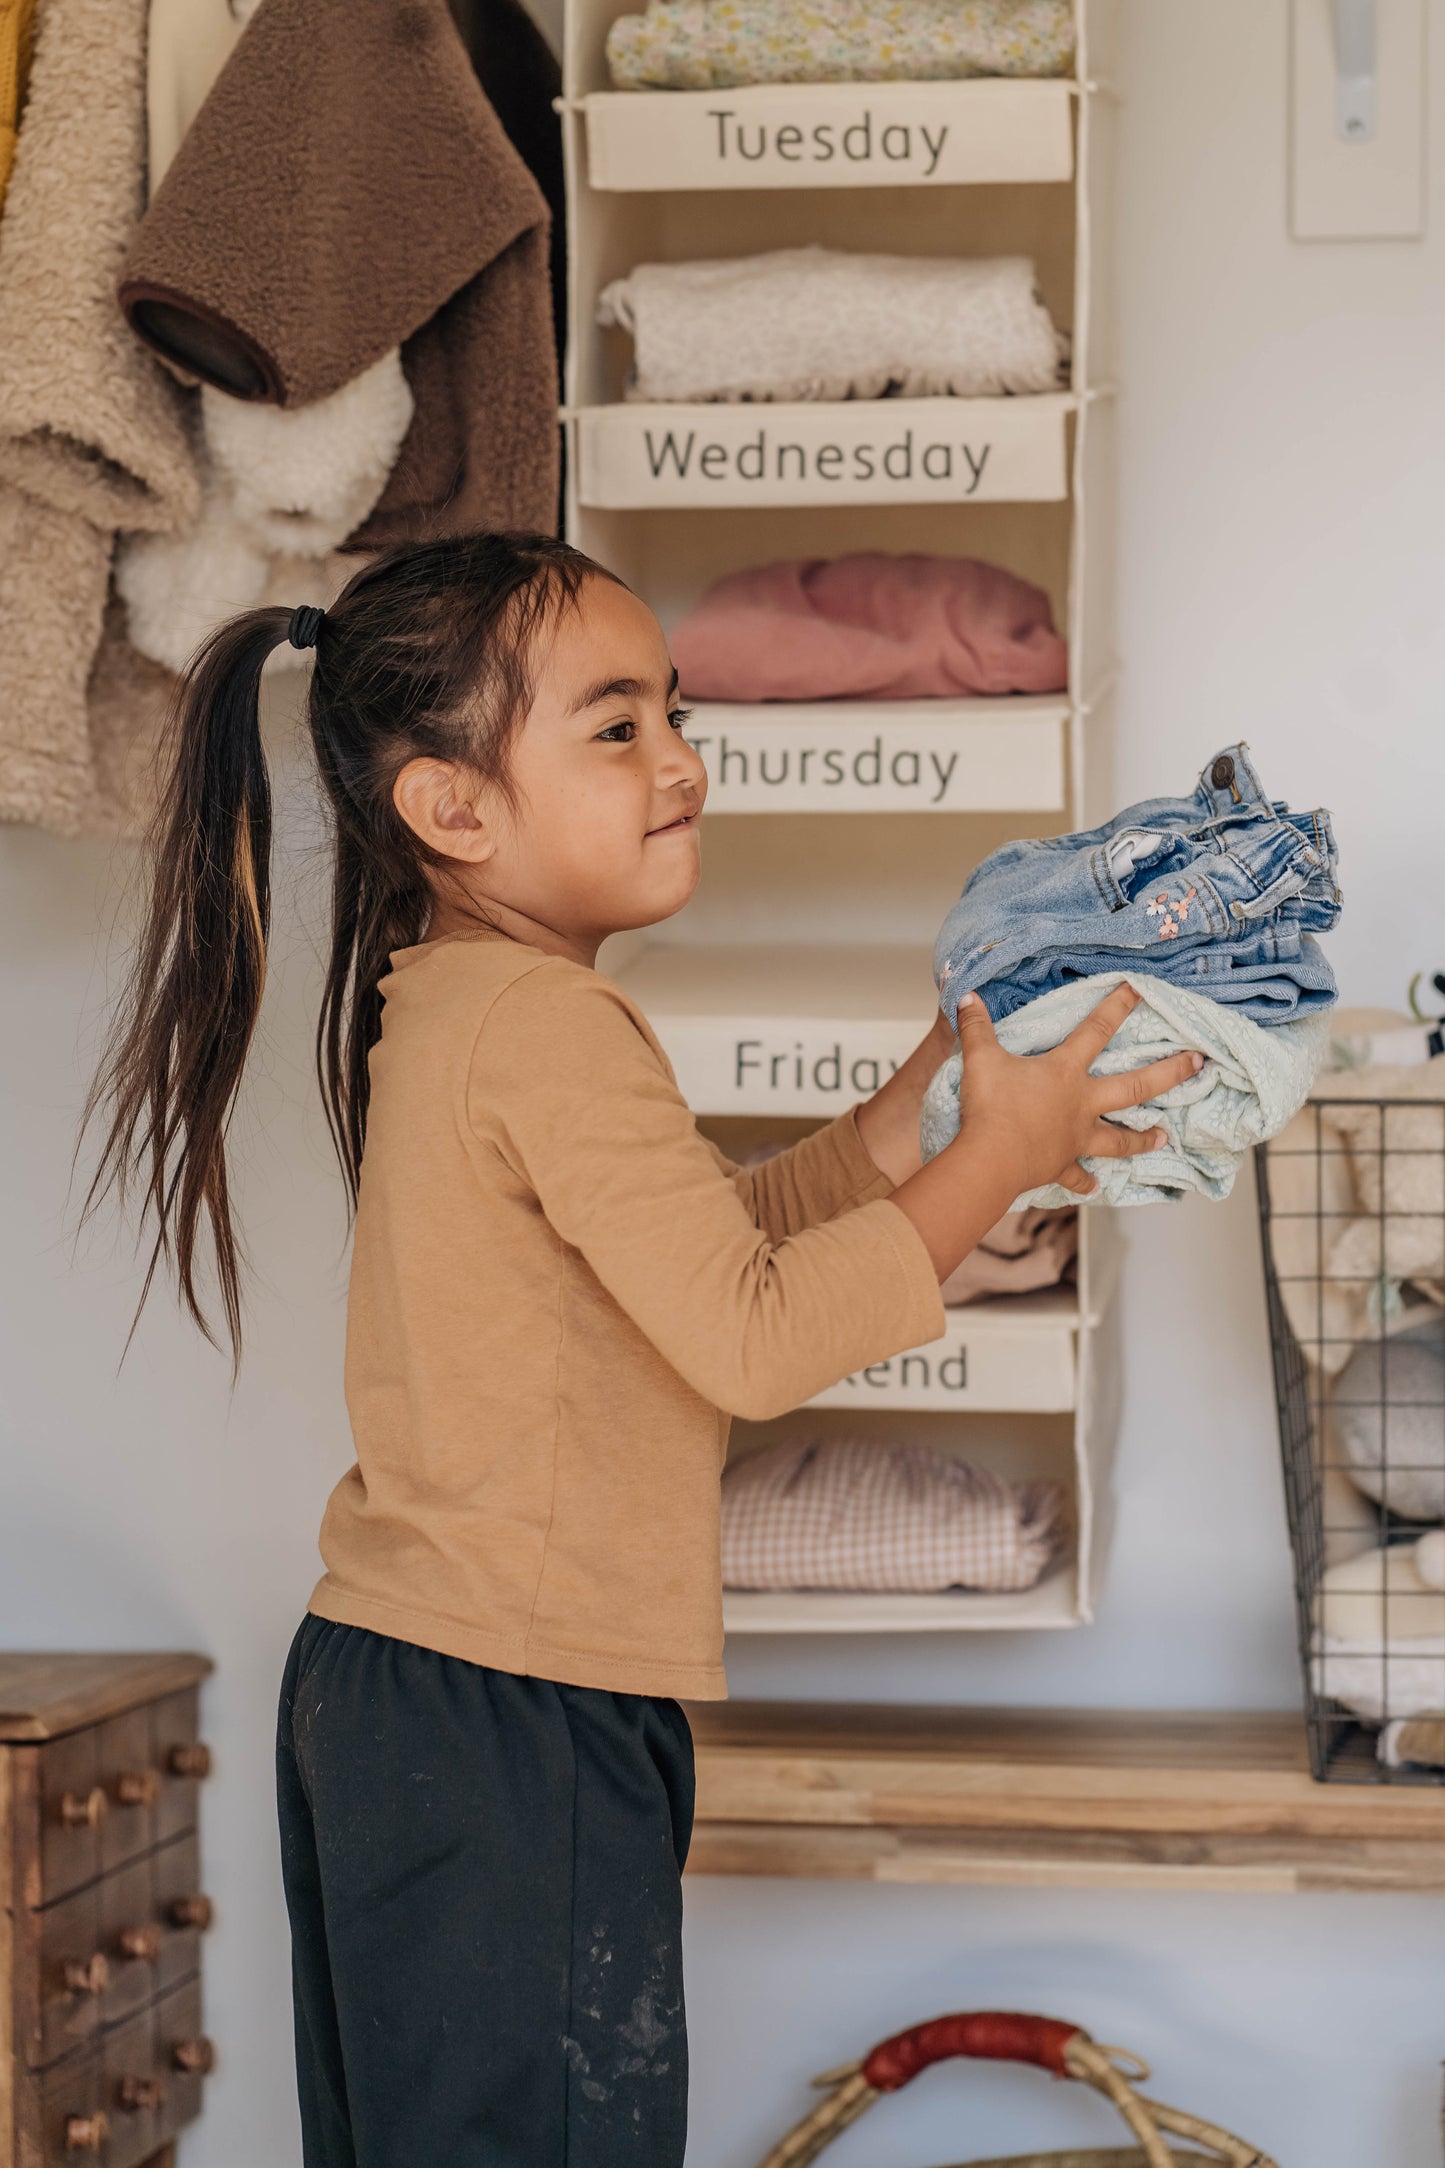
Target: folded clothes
<point>847,1513</point>
<point>1357,1209</point>
<point>822,323</point>
<point>1220,892</point>
<point>1252,1081</point>
<point>1025,1252</point>
<point>722,44</point>
<point>870,627</point>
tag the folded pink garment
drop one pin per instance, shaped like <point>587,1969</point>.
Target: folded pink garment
<point>846,1513</point>
<point>1024,1252</point>
<point>870,627</point>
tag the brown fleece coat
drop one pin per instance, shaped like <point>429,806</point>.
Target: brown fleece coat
<point>94,436</point>
<point>345,188</point>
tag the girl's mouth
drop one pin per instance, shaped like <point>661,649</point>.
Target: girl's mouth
<point>685,820</point>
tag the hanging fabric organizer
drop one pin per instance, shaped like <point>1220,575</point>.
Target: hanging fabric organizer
<point>776,1011</point>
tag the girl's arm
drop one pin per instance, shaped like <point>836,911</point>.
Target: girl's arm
<point>888,1122</point>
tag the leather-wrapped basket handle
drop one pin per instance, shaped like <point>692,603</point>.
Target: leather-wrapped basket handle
<point>1000,2036</point>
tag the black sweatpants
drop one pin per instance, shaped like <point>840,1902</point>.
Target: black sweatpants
<point>483,1874</point>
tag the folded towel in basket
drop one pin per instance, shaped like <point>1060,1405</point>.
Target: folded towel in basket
<point>1379,1642</point>
<point>846,1513</point>
<point>822,323</point>
<point>721,44</point>
<point>870,627</point>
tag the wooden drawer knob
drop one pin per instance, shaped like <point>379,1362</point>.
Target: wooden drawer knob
<point>192,1912</point>
<point>87,1976</point>
<point>140,2093</point>
<point>86,2133</point>
<point>138,1787</point>
<point>86,1813</point>
<point>197,2056</point>
<point>190,1761</point>
<point>141,1943</point>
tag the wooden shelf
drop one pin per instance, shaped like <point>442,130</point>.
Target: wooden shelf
<point>1066,1798</point>
<point>884,756</point>
<point>649,456</point>
<point>830,135</point>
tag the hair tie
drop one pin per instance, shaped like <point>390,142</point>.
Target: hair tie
<point>305,624</point>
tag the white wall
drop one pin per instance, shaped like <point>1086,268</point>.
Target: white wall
<point>1282,437</point>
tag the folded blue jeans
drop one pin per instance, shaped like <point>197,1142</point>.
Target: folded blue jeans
<point>1221,893</point>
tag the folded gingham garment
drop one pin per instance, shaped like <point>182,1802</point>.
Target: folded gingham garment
<point>844,1513</point>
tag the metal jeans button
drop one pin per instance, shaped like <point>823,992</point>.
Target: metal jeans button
<point>1222,772</point>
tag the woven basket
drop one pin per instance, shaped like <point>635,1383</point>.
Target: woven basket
<point>1066,2051</point>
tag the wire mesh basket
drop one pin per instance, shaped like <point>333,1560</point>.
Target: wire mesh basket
<point>1065,2051</point>
<point>1352,1218</point>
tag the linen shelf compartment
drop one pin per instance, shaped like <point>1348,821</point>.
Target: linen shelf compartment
<point>770,1035</point>
<point>884,756</point>
<point>831,135</point>
<point>1017,1445</point>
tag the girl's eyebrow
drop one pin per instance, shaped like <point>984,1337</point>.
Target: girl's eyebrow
<point>621,688</point>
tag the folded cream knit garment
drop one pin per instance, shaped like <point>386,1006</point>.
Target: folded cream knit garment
<point>716,44</point>
<point>821,323</point>
<point>848,1513</point>
<point>94,436</point>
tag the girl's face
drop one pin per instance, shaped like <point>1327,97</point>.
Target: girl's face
<point>603,835</point>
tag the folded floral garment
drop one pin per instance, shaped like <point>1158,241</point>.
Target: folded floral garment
<point>1252,1082</point>
<point>845,1513</point>
<point>1357,1202</point>
<point>1221,892</point>
<point>870,627</point>
<point>722,44</point>
<point>1025,1252</point>
<point>822,323</point>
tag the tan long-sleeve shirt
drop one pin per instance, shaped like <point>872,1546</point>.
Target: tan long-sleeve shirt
<point>560,1292</point>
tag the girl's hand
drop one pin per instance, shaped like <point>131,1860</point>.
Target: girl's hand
<point>888,1122</point>
<point>1038,1115</point>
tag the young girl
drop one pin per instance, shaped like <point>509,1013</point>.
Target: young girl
<point>559,1294</point>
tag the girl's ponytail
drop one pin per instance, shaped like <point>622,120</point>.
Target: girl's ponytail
<point>427,652</point>
<point>169,1080</point>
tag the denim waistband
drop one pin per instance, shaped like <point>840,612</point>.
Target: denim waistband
<point>1219,890</point>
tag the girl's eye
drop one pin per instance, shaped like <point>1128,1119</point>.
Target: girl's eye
<point>618,733</point>
<point>679,716</point>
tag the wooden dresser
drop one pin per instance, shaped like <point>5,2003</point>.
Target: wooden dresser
<point>101,1908</point>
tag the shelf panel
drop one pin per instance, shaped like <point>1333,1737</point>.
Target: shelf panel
<point>830,135</point>
<point>1086,1798</point>
<point>647,456</point>
<point>884,756</point>
<point>1052,1603</point>
<point>783,1029</point>
<point>1014,1354</point>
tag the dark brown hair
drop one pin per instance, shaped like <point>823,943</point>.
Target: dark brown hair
<point>428,652</point>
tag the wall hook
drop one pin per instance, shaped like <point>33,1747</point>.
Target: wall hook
<point>1355,34</point>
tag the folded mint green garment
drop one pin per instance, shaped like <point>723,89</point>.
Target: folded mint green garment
<point>1254,1080</point>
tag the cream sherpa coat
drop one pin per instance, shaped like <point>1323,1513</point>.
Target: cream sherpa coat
<point>94,436</point>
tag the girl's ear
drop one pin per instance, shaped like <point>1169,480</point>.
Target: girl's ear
<point>443,806</point>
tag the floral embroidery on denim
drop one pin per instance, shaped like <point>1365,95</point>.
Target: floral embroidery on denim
<point>1170,913</point>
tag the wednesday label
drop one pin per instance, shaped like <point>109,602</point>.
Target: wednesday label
<point>859,451</point>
